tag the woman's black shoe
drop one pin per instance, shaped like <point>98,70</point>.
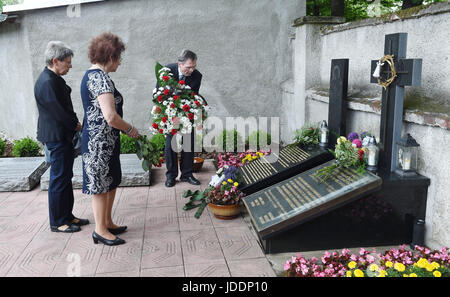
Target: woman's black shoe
<point>117,231</point>
<point>98,238</point>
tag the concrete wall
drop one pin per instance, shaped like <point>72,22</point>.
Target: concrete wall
<point>361,42</point>
<point>244,50</point>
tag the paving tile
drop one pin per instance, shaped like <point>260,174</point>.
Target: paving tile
<point>219,223</point>
<point>177,271</point>
<point>125,257</point>
<point>238,243</point>
<point>258,267</point>
<point>159,197</point>
<point>39,258</point>
<point>9,254</point>
<point>119,274</point>
<point>15,203</point>
<point>21,230</point>
<point>134,197</point>
<point>200,246</point>
<point>79,250</point>
<point>4,195</point>
<point>188,221</point>
<point>212,269</point>
<point>160,219</point>
<point>161,249</point>
<point>134,218</point>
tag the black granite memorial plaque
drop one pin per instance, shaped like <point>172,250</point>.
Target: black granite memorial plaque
<point>293,160</point>
<point>301,198</point>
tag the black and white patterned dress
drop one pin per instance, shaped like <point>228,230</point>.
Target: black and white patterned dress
<point>100,142</point>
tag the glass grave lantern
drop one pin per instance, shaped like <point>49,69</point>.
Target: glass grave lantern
<point>407,149</point>
<point>323,134</point>
<point>372,153</point>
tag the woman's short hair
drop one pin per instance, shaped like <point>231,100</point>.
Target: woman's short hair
<point>104,47</point>
<point>186,55</point>
<point>58,50</point>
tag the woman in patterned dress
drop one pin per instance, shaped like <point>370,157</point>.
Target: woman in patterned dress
<point>103,123</point>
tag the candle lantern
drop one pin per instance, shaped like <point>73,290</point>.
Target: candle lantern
<point>323,134</point>
<point>407,149</point>
<point>372,152</point>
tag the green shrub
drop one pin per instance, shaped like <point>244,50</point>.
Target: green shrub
<point>229,136</point>
<point>2,146</point>
<point>254,137</point>
<point>26,147</point>
<point>127,144</point>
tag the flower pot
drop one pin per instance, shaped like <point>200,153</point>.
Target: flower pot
<point>198,164</point>
<point>225,212</point>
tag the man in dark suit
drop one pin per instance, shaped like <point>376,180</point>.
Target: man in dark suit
<point>183,70</point>
<point>57,125</point>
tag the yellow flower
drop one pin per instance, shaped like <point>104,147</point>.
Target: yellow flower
<point>348,273</point>
<point>254,157</point>
<point>429,267</point>
<point>389,264</point>
<point>236,184</point>
<point>373,267</point>
<point>359,273</point>
<point>383,273</point>
<point>352,265</point>
<point>230,180</point>
<point>435,265</point>
<point>437,274</point>
<point>341,139</point>
<point>412,275</point>
<point>399,267</point>
<point>224,183</point>
<point>422,263</point>
<point>405,275</point>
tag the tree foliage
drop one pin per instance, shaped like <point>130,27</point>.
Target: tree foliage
<point>8,2</point>
<point>361,9</point>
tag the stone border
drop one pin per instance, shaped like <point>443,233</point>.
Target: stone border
<point>373,105</point>
<point>27,181</point>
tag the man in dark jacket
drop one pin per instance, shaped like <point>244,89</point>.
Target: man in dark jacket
<point>57,125</point>
<point>183,70</point>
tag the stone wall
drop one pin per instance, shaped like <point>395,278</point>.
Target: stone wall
<point>244,50</point>
<point>427,108</point>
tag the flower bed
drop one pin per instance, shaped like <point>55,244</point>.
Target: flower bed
<point>422,262</point>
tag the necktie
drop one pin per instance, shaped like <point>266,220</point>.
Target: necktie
<point>182,77</point>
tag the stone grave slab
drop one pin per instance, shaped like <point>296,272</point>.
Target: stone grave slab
<point>280,209</point>
<point>21,174</point>
<point>132,173</point>
<point>292,160</point>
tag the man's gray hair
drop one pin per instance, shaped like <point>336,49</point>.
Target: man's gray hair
<point>58,50</point>
<point>186,55</point>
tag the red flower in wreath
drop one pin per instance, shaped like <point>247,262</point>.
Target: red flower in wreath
<point>166,92</point>
<point>182,82</point>
<point>172,105</point>
<point>161,131</point>
<point>165,78</point>
<point>155,126</point>
<point>176,97</point>
<point>186,108</point>
<point>191,116</point>
<point>158,109</point>
<point>164,119</point>
<point>197,103</point>
<point>160,98</point>
<point>174,131</point>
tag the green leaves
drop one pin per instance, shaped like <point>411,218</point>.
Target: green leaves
<point>307,135</point>
<point>148,152</point>
<point>157,68</point>
<point>194,198</point>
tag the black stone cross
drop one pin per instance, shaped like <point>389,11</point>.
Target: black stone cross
<point>409,73</point>
<point>337,107</point>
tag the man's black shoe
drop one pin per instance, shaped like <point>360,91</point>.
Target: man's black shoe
<point>65,228</point>
<point>170,182</point>
<point>80,222</point>
<point>190,179</point>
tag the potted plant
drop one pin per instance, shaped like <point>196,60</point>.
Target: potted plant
<point>223,196</point>
<point>307,137</point>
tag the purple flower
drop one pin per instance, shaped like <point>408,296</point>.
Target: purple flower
<point>352,136</point>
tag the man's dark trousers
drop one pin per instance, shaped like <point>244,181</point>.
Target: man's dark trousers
<point>187,157</point>
<point>60,193</point>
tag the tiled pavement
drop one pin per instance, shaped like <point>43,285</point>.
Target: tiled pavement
<point>162,238</point>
